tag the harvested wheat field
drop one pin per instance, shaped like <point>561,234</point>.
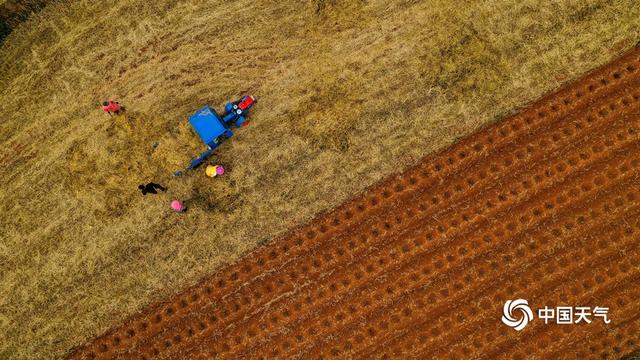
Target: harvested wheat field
<point>349,92</point>
<point>541,206</point>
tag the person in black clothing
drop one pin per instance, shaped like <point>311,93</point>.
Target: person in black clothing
<point>151,188</point>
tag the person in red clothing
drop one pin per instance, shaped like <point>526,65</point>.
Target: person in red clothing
<point>111,107</point>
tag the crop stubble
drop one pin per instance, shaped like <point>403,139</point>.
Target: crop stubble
<point>542,205</point>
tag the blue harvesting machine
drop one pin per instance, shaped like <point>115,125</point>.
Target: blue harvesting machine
<point>213,129</point>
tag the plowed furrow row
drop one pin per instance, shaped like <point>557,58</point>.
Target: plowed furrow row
<point>608,342</point>
<point>237,307</point>
<point>625,302</point>
<point>452,287</point>
<point>625,281</point>
<point>592,223</point>
<point>598,265</point>
<point>467,347</point>
<point>373,267</point>
<point>538,206</point>
<point>623,270</point>
<point>552,333</point>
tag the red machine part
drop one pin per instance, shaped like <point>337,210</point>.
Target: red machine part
<point>246,103</point>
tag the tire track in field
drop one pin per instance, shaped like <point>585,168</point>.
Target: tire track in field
<point>500,187</point>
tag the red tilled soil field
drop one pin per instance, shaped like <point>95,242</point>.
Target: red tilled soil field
<point>541,206</point>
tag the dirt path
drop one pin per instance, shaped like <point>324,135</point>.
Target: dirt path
<point>542,206</point>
